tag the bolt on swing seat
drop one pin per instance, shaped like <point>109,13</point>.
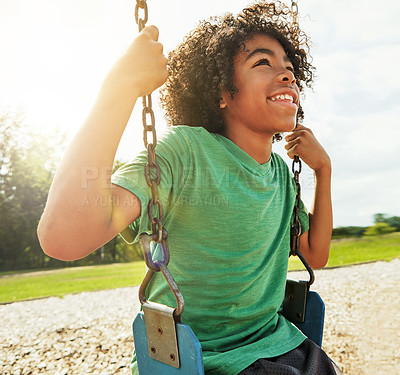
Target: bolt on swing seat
<point>189,349</point>
<point>163,344</point>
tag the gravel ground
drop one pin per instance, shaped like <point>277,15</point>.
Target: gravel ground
<point>90,333</point>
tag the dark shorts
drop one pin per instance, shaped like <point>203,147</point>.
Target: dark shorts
<point>307,359</point>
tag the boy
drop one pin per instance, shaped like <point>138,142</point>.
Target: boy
<point>233,86</point>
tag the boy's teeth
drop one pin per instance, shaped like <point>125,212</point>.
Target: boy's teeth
<point>282,97</point>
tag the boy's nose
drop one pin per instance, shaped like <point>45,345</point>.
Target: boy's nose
<point>287,76</point>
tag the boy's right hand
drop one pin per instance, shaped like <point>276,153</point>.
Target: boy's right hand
<point>143,66</point>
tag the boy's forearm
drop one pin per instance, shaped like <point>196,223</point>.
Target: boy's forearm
<point>315,243</point>
<point>321,221</point>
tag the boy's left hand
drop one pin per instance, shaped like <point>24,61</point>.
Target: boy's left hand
<point>302,142</point>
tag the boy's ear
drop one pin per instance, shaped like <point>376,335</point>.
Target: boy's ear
<point>222,103</point>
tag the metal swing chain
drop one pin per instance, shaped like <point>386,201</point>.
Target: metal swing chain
<point>295,24</point>
<point>295,230</point>
<point>150,130</point>
<point>153,178</point>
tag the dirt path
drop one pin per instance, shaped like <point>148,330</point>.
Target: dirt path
<point>363,317</point>
<point>90,333</point>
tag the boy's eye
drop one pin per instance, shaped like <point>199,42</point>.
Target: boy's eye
<point>262,62</point>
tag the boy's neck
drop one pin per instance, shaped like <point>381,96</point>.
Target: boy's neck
<point>258,146</point>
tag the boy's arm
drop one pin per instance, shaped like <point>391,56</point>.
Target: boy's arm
<point>82,212</point>
<point>315,243</point>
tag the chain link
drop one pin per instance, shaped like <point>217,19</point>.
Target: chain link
<point>295,11</point>
<point>295,23</point>
<point>141,22</point>
<point>152,169</point>
<point>295,230</point>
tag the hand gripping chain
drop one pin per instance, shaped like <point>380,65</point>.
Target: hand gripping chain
<point>153,177</point>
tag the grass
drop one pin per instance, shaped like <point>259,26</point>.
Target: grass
<point>21,286</point>
<point>350,251</point>
<point>17,287</point>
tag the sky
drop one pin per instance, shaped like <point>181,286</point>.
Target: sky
<point>55,54</point>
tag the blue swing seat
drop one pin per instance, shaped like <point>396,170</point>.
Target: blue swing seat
<point>191,357</point>
<point>190,353</point>
<point>313,325</point>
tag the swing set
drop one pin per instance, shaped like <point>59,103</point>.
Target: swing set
<point>163,344</point>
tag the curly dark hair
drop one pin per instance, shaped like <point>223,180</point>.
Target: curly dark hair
<point>201,67</point>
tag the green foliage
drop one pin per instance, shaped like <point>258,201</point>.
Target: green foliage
<point>390,224</point>
<point>380,218</point>
<point>379,228</point>
<point>393,221</point>
<point>346,232</point>
<point>27,165</point>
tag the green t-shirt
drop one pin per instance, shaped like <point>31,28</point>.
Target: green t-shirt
<point>228,221</point>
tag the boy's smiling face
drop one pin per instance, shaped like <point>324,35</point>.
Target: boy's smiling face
<point>268,96</point>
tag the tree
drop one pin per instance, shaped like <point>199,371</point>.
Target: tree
<point>379,228</point>
<point>380,218</point>
<point>28,162</point>
<point>27,166</point>
<point>346,232</point>
<point>393,221</point>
